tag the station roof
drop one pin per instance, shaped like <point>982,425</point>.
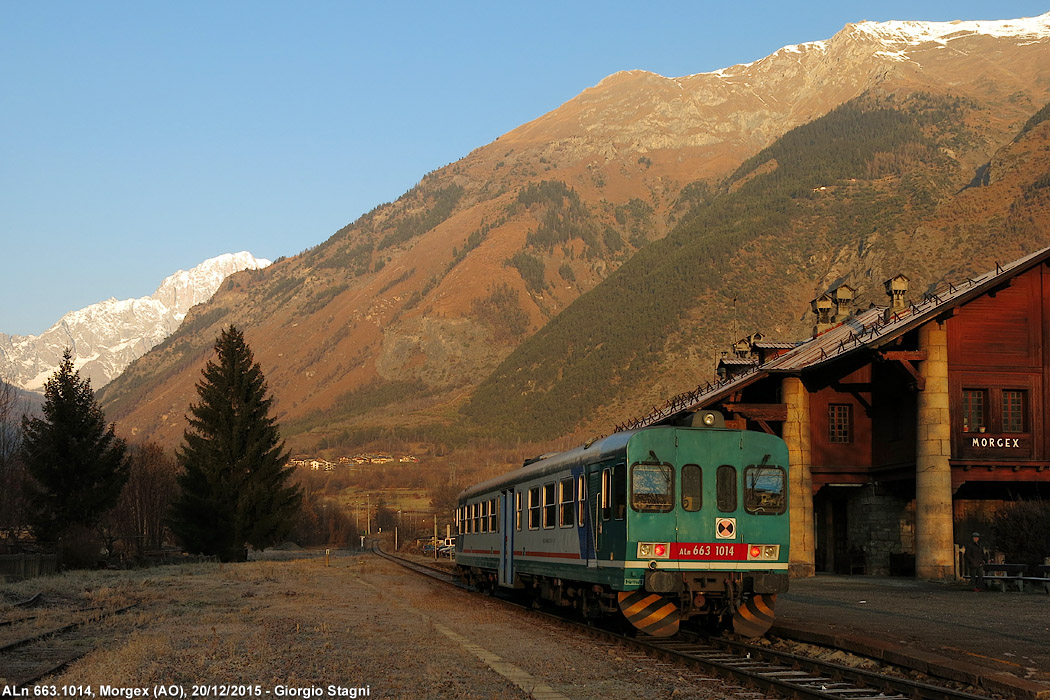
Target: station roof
<point>867,330</point>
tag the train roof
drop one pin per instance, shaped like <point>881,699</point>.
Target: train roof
<point>590,453</point>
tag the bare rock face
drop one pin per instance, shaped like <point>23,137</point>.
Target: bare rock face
<point>108,336</point>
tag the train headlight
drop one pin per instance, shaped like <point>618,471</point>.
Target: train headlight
<point>654,550</point>
<point>763,552</point>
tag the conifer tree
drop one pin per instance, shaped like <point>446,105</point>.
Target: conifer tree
<point>77,462</point>
<point>234,484</point>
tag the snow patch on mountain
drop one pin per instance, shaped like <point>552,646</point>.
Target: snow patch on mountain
<point>108,336</point>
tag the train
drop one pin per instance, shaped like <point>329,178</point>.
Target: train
<point>658,526</point>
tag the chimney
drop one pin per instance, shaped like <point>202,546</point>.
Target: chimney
<point>897,290</point>
<point>843,296</point>
<point>822,306</point>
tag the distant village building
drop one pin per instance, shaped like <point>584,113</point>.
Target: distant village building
<point>906,424</point>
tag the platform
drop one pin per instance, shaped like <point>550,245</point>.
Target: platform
<point>945,627</point>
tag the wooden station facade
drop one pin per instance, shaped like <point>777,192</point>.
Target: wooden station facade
<point>908,425</point>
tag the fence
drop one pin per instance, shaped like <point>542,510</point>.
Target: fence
<point>22,566</point>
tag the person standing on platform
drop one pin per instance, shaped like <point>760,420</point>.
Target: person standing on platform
<point>975,561</point>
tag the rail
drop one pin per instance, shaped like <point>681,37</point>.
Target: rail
<point>784,674</point>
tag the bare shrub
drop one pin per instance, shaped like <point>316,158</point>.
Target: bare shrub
<point>1022,531</point>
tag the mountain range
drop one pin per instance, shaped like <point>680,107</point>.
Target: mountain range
<point>594,261</point>
<point>106,337</point>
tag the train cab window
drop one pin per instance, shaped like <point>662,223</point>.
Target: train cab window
<point>493,520</point>
<point>604,495</point>
<point>534,508</point>
<point>619,492</point>
<point>764,490</point>
<point>692,488</point>
<point>581,499</point>
<point>725,488</point>
<point>565,503</point>
<point>652,488</point>
<point>550,506</point>
<point>517,510</point>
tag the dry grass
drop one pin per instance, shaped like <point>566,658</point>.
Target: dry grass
<point>358,622</point>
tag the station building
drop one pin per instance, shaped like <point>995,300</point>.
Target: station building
<point>907,424</point>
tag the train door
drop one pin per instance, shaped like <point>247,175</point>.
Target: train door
<point>506,549</point>
<point>594,508</point>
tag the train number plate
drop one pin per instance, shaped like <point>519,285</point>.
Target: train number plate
<point>708,551</point>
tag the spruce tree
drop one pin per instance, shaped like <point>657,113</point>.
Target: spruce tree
<point>77,462</point>
<point>234,483</point>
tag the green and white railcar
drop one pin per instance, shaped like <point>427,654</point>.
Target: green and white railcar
<point>660,524</point>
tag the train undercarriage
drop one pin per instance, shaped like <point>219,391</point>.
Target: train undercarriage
<point>742,602</point>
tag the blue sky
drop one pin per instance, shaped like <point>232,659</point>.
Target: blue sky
<point>139,138</point>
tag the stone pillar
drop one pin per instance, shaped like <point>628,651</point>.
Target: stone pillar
<point>797,436</point>
<point>934,543</point>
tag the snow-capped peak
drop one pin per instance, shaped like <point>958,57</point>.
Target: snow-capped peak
<point>915,33</point>
<point>186,288</point>
<point>106,337</point>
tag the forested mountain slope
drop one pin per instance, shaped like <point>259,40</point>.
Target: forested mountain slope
<point>387,328</point>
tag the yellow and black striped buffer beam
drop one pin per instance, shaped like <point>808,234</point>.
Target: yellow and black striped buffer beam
<point>650,613</point>
<point>755,615</point>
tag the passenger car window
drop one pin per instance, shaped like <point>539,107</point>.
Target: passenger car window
<point>534,507</point>
<point>652,488</point>
<point>692,488</point>
<point>581,499</point>
<point>550,506</point>
<point>725,488</point>
<point>764,489</point>
<point>565,504</point>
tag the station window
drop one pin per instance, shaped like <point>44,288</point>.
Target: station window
<point>652,488</point>
<point>619,484</point>
<point>581,499</point>
<point>1013,411</point>
<point>725,488</point>
<point>493,516</point>
<point>604,496</point>
<point>517,510</point>
<point>764,490</point>
<point>550,506</point>
<point>692,488</point>
<point>840,423</point>
<point>974,402</point>
<point>565,503</point>
<point>534,508</point>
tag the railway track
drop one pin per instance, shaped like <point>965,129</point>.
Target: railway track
<point>32,654</point>
<point>773,672</point>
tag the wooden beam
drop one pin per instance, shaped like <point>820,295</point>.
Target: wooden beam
<point>910,355</point>
<point>765,426</point>
<point>920,381</point>
<point>759,411</point>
